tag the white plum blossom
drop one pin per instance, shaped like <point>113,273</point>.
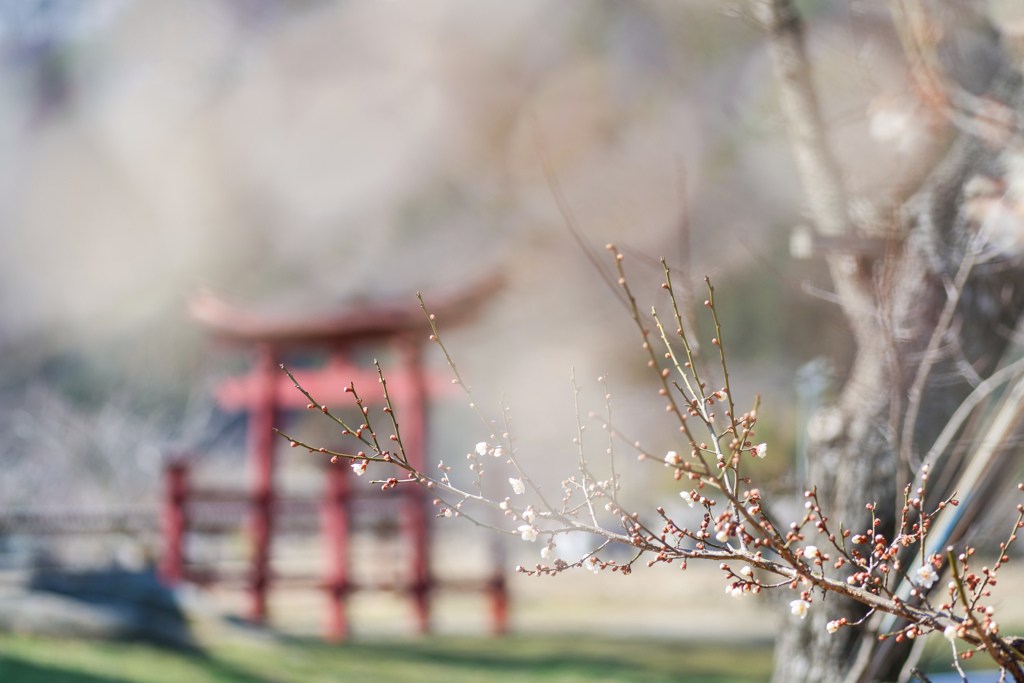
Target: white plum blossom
<point>949,633</point>
<point>927,576</point>
<point>722,536</point>
<point>672,458</point>
<point>687,496</point>
<point>737,590</point>
<point>482,448</point>
<point>503,505</point>
<point>592,564</point>
<point>761,450</point>
<point>746,570</point>
<point>448,512</point>
<point>811,552</point>
<point>545,552</point>
<point>529,515</point>
<point>499,452</point>
<point>518,487</point>
<point>360,467</point>
<point>833,626</point>
<point>799,608</point>
<point>529,532</point>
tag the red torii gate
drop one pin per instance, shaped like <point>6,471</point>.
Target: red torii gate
<point>266,390</point>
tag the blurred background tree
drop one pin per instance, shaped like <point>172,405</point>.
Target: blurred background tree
<point>299,154</point>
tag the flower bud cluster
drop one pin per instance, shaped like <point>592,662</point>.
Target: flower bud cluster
<point>809,554</point>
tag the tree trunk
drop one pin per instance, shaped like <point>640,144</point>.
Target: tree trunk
<point>893,307</point>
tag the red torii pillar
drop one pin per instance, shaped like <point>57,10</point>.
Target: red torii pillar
<point>414,512</point>
<point>260,436</point>
<point>173,522</point>
<point>335,521</point>
<point>266,390</point>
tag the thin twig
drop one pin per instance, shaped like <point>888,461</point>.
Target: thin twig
<point>930,357</point>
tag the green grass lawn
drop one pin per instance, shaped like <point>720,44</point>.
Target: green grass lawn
<point>519,659</point>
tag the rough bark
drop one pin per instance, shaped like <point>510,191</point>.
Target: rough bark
<point>892,308</point>
<point>853,456</point>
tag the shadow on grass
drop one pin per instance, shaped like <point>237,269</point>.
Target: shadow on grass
<point>15,669</point>
<point>224,671</point>
<point>436,659</point>
<point>597,659</point>
<point>22,671</point>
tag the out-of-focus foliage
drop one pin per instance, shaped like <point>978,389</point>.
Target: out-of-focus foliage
<point>300,154</point>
